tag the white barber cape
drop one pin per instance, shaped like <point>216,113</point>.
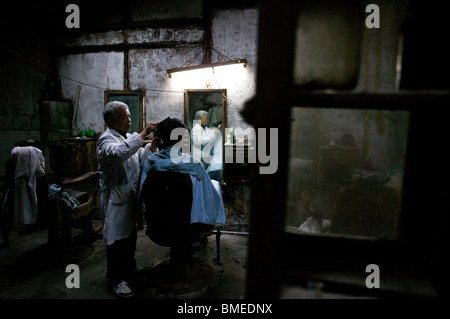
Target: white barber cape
<point>119,163</point>
<point>30,165</point>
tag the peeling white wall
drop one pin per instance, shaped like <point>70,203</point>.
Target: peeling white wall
<point>149,35</point>
<point>148,71</point>
<point>93,72</point>
<point>234,34</point>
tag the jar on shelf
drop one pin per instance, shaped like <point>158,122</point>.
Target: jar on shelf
<point>91,131</point>
<point>83,132</point>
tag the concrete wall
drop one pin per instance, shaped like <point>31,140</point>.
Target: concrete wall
<point>23,62</point>
<point>234,34</point>
<point>97,71</point>
<point>26,74</point>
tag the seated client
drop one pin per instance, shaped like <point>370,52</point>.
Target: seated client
<point>207,204</point>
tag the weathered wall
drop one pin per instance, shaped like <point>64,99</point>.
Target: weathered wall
<point>22,76</point>
<point>96,71</point>
<point>234,34</point>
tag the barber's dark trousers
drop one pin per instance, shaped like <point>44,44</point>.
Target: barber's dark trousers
<point>120,259</point>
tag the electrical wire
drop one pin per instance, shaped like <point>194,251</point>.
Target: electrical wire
<point>187,63</point>
<point>34,64</point>
<point>218,85</point>
<point>223,56</point>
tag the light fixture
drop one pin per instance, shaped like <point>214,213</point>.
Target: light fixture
<point>206,66</point>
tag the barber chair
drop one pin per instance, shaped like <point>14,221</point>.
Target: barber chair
<point>168,200</point>
<point>366,209</point>
<point>74,208</point>
<point>55,214</point>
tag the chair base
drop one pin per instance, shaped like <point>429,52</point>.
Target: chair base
<point>197,276</point>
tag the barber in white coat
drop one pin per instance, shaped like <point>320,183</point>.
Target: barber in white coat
<point>120,156</point>
<point>203,138</point>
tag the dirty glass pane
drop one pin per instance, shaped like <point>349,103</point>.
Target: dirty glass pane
<point>346,171</point>
<point>328,44</point>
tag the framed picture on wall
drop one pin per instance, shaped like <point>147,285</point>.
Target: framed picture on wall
<point>135,102</point>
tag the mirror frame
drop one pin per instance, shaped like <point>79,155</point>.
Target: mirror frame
<point>187,122</point>
<point>139,94</point>
<point>186,104</point>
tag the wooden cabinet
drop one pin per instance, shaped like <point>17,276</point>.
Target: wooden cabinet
<point>237,166</point>
<point>337,161</point>
<point>75,155</point>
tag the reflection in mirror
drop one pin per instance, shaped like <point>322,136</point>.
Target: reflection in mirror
<point>346,172</point>
<point>205,118</point>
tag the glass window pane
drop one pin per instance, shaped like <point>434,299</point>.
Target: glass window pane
<point>346,171</point>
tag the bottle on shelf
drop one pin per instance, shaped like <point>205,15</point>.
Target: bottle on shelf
<point>83,131</point>
<point>74,132</point>
<point>91,131</point>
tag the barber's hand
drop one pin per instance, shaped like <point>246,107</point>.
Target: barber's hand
<point>150,127</point>
<point>147,130</point>
<point>156,142</point>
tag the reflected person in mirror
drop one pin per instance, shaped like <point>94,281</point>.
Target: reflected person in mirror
<point>203,138</point>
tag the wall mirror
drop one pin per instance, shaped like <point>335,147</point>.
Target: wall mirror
<point>214,103</point>
<point>135,102</point>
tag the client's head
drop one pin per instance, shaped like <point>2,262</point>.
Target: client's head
<point>165,128</point>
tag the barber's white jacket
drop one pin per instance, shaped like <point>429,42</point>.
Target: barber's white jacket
<point>201,138</point>
<point>119,163</point>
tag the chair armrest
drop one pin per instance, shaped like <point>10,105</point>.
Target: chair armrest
<point>80,179</point>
